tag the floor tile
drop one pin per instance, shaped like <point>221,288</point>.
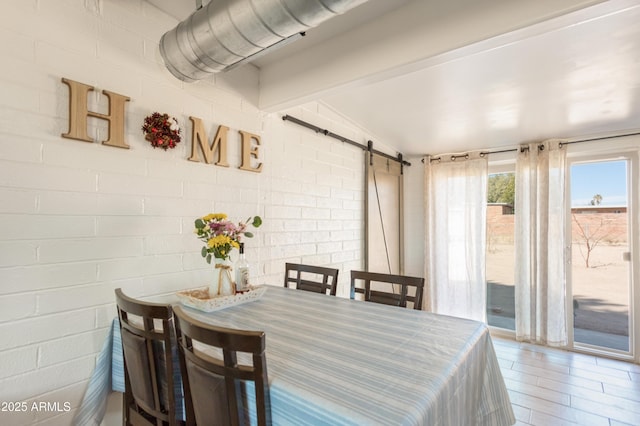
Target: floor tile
<point>549,386</point>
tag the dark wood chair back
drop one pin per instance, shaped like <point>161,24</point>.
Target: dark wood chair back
<point>311,278</point>
<point>215,386</point>
<point>146,330</point>
<point>402,288</point>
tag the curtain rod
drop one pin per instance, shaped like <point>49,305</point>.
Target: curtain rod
<point>483,153</point>
<point>343,139</point>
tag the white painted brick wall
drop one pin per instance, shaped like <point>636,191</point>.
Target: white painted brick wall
<point>78,219</point>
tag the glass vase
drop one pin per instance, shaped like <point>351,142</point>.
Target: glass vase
<point>222,283</point>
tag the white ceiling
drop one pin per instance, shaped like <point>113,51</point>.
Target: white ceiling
<point>427,78</point>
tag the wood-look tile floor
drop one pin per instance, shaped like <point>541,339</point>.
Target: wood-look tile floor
<point>551,387</point>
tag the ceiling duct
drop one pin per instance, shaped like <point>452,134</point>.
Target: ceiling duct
<point>224,33</point>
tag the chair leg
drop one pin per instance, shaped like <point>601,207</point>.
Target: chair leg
<point>125,410</point>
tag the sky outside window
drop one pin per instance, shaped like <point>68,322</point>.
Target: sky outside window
<point>607,178</point>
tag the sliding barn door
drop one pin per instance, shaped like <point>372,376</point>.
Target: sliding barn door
<point>384,215</point>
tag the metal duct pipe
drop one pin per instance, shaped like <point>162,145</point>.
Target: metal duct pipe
<point>226,32</point>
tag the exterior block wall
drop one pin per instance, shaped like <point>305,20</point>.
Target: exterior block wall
<point>602,227</point>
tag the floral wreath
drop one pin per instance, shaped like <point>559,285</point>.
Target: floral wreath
<point>161,130</point>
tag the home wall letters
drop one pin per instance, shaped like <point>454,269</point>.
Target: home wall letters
<point>79,113</point>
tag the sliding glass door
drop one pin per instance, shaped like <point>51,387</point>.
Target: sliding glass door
<point>601,261</point>
<point>500,256</point>
<point>602,288</point>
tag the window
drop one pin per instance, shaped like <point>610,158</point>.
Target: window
<point>500,250</point>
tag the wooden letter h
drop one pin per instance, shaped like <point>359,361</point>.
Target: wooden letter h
<point>78,114</point>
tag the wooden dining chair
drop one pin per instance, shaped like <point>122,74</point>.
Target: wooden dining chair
<point>146,330</point>
<point>311,278</point>
<point>216,386</point>
<point>399,297</point>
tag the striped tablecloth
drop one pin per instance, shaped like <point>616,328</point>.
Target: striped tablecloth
<point>334,361</point>
<point>108,376</point>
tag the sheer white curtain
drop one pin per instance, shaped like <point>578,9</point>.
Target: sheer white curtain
<point>456,199</point>
<point>540,244</point>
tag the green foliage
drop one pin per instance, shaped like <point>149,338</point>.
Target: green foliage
<point>501,188</point>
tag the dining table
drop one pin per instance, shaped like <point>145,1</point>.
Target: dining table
<point>336,361</point>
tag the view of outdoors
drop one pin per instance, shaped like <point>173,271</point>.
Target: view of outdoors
<point>600,273</point>
<point>600,253</point>
<point>501,250</point>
